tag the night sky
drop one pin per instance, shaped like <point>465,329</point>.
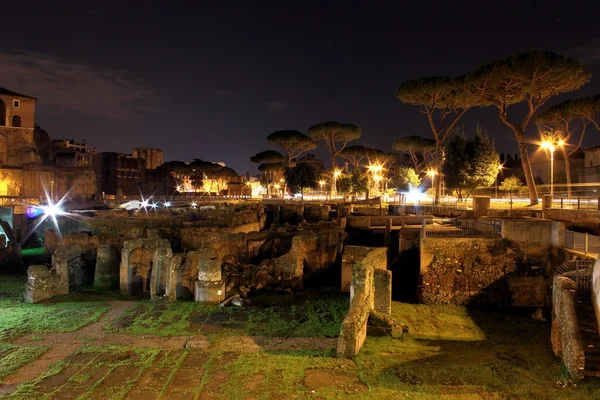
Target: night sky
<point>211,80</point>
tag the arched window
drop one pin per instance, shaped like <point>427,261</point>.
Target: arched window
<point>16,121</point>
<point>2,113</point>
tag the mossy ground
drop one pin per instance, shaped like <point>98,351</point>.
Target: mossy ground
<point>18,318</point>
<point>279,315</point>
<point>451,352</point>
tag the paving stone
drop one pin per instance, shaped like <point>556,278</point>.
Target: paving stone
<point>50,383</point>
<point>141,395</point>
<point>179,396</point>
<point>210,328</point>
<point>153,378</point>
<point>195,359</point>
<point>81,358</point>
<point>68,393</point>
<point>186,379</point>
<point>120,375</point>
<point>90,375</point>
<point>197,342</point>
<point>218,318</point>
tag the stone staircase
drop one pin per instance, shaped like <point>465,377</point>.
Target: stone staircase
<point>591,339</point>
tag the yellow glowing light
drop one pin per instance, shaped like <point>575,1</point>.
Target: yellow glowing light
<point>276,186</point>
<point>178,187</point>
<point>431,173</point>
<point>547,145</point>
<point>337,173</point>
<point>561,143</point>
<point>321,183</point>
<point>500,166</point>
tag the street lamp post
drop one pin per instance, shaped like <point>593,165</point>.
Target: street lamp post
<point>321,183</point>
<point>499,170</point>
<point>336,173</point>
<point>550,141</point>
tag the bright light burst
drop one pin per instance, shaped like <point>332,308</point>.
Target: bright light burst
<point>50,210</point>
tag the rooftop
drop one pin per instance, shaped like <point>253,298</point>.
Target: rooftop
<point>7,92</point>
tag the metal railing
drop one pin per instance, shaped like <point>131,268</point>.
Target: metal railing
<point>581,272</point>
<point>461,228</point>
<point>576,203</point>
<point>583,242</point>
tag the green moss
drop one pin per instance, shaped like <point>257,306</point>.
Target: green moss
<point>13,357</point>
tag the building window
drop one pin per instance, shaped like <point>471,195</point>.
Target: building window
<point>16,121</point>
<point>16,103</point>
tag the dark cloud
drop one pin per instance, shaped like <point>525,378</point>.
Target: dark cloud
<point>69,86</point>
<point>275,105</point>
<point>223,93</point>
<point>587,54</point>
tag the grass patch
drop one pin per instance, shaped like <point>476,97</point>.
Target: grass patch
<point>310,318</point>
<point>13,357</point>
<point>60,315</point>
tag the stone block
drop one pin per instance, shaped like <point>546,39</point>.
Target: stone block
<point>210,292</point>
<point>40,285</point>
<point>382,291</point>
<point>316,213</point>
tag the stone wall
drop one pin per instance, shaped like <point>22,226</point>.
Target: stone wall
<point>595,295</point>
<point>312,251</point>
<point>370,293</point>
<point>478,270</point>
<point>78,260</point>
<point>535,232</point>
<point>136,263</point>
<point>566,336</point>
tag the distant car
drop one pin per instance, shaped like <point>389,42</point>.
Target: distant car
<point>131,205</point>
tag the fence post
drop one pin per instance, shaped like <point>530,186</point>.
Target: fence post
<point>585,251</point>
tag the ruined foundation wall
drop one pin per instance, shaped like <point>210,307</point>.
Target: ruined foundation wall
<point>566,336</point>
<point>485,271</point>
<point>596,290</point>
<point>370,291</point>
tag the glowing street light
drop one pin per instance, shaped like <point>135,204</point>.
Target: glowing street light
<point>167,204</point>
<point>321,184</point>
<point>550,141</point>
<point>336,174</point>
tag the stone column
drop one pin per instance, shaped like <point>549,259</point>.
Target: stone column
<point>173,276</point>
<point>160,267</point>
<point>210,287</point>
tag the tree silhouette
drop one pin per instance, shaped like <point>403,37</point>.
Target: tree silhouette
<point>444,101</point>
<point>530,78</point>
<point>572,118</point>
<point>336,137</point>
<point>419,150</point>
<point>302,175</point>
<point>293,143</point>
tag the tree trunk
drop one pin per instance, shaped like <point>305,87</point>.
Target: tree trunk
<point>533,196</point>
<point>567,171</point>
